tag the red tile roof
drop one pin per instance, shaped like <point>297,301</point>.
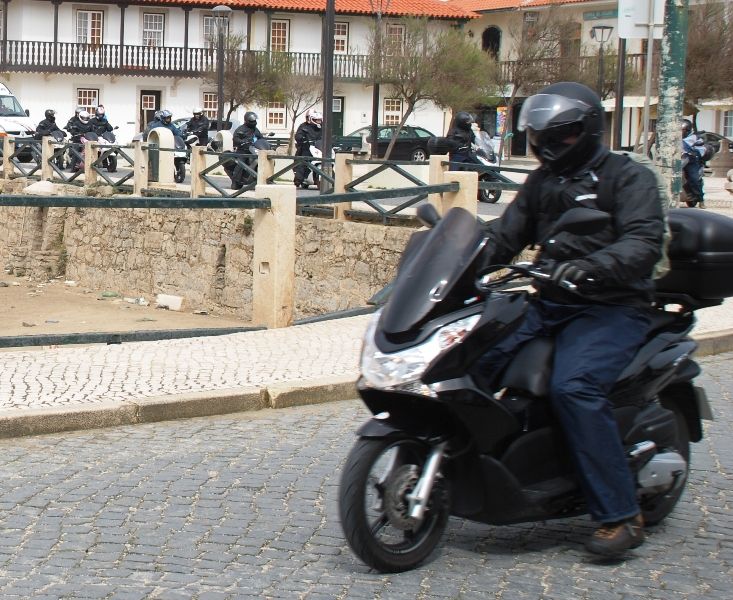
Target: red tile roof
<point>486,5</point>
<point>439,9</point>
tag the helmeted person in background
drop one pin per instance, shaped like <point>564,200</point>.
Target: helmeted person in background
<point>199,125</point>
<point>80,125</point>
<point>693,150</point>
<point>99,121</point>
<point>166,120</point>
<point>598,330</point>
<point>243,138</point>
<point>48,125</point>
<point>155,122</point>
<point>461,136</point>
<point>307,133</point>
<point>73,120</point>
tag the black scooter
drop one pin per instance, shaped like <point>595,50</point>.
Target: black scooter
<point>441,445</point>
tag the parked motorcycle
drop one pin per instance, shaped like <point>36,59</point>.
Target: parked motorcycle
<point>241,176</point>
<point>311,176</point>
<point>182,154</point>
<point>439,444</point>
<point>110,161</point>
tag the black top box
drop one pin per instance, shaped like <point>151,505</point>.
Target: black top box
<point>701,255</point>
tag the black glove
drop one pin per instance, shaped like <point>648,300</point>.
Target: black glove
<point>572,271</point>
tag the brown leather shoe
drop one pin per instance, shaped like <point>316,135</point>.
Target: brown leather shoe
<point>613,539</point>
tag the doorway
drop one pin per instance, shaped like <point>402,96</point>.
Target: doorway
<point>337,127</point>
<point>149,103</point>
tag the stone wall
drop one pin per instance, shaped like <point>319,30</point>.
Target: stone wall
<point>202,255</point>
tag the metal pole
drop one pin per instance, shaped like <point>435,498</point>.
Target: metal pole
<point>600,71</point>
<point>220,72</point>
<point>618,110</point>
<point>375,88</point>
<point>672,92</point>
<point>328,46</point>
<point>648,84</point>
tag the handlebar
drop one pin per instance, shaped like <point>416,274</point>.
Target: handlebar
<point>517,271</point>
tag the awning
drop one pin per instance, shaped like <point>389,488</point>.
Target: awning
<point>722,104</point>
<point>629,102</point>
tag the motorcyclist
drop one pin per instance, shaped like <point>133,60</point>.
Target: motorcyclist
<point>155,122</point>
<point>48,125</point>
<point>244,136</point>
<point>77,127</point>
<point>73,121</point>
<point>693,150</point>
<point>461,137</point>
<point>99,122</point>
<point>307,133</point>
<point>597,332</point>
<point>199,125</point>
<point>166,120</point>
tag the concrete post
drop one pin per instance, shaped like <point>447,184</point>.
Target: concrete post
<point>224,141</point>
<point>90,155</point>
<point>164,138</point>
<point>140,168</point>
<point>198,164</point>
<point>46,156</point>
<point>265,166</point>
<point>466,196</point>
<point>273,263</point>
<point>8,149</point>
<point>436,176</point>
<point>343,174</point>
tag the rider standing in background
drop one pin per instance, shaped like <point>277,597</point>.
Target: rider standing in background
<point>199,125</point>
<point>598,331</point>
<point>308,133</point>
<point>99,122</point>
<point>693,149</point>
<point>461,137</point>
<point>48,125</point>
<point>244,136</point>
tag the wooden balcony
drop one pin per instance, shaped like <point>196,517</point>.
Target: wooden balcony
<point>106,59</point>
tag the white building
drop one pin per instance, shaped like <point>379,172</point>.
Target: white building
<point>140,56</point>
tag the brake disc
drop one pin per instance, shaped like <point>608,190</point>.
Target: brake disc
<point>396,505</point>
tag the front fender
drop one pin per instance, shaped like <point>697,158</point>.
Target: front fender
<point>377,428</point>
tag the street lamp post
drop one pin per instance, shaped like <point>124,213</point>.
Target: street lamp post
<point>221,14</point>
<point>601,34</point>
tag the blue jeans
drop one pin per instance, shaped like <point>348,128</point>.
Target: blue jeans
<point>693,179</point>
<point>593,345</point>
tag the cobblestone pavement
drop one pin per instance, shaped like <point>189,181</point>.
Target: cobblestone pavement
<point>245,506</point>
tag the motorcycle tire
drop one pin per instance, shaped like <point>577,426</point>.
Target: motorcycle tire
<point>180,172</point>
<point>488,196</point>
<point>373,504</point>
<point>655,508</point>
<point>112,164</point>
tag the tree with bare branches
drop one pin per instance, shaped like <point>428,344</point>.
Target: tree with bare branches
<point>299,93</point>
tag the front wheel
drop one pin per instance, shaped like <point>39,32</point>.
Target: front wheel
<point>656,507</point>
<point>374,509</point>
<point>419,155</point>
<point>180,172</point>
<point>488,196</point>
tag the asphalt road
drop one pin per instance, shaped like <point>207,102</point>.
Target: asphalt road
<point>245,506</point>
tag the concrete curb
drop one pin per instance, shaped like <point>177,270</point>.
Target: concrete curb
<point>17,423</point>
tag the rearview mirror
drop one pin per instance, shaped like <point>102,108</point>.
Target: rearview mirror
<point>428,215</point>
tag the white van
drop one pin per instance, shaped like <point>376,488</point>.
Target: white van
<point>13,119</point>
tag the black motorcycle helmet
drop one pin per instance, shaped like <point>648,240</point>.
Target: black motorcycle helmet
<point>50,114</point>
<point>564,125</point>
<point>250,119</point>
<point>463,120</point>
<point>686,127</point>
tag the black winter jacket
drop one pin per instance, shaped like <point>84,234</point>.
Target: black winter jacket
<point>46,127</point>
<point>620,258</point>
<point>307,134</point>
<point>461,139</point>
<point>244,136</point>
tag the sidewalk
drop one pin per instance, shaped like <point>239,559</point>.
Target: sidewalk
<point>70,388</point>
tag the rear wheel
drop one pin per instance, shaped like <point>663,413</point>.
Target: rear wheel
<point>180,171</point>
<point>374,509</point>
<point>488,196</point>
<point>111,163</point>
<point>419,155</point>
<point>656,507</point>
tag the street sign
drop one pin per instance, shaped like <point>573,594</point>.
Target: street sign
<point>633,17</point>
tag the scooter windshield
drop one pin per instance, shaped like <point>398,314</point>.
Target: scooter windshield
<point>430,273</point>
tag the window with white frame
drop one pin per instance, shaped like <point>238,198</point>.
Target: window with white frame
<point>211,29</point>
<point>340,38</point>
<point>728,124</point>
<point>276,115</point>
<point>394,37</point>
<point>89,26</point>
<point>153,26</point>
<point>392,111</point>
<point>211,104</point>
<point>87,98</point>
<point>279,35</point>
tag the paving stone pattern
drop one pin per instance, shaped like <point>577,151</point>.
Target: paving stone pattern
<point>245,506</point>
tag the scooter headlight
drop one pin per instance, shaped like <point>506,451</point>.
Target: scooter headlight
<point>405,367</point>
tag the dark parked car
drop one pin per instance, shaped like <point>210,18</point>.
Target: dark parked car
<point>412,143</point>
